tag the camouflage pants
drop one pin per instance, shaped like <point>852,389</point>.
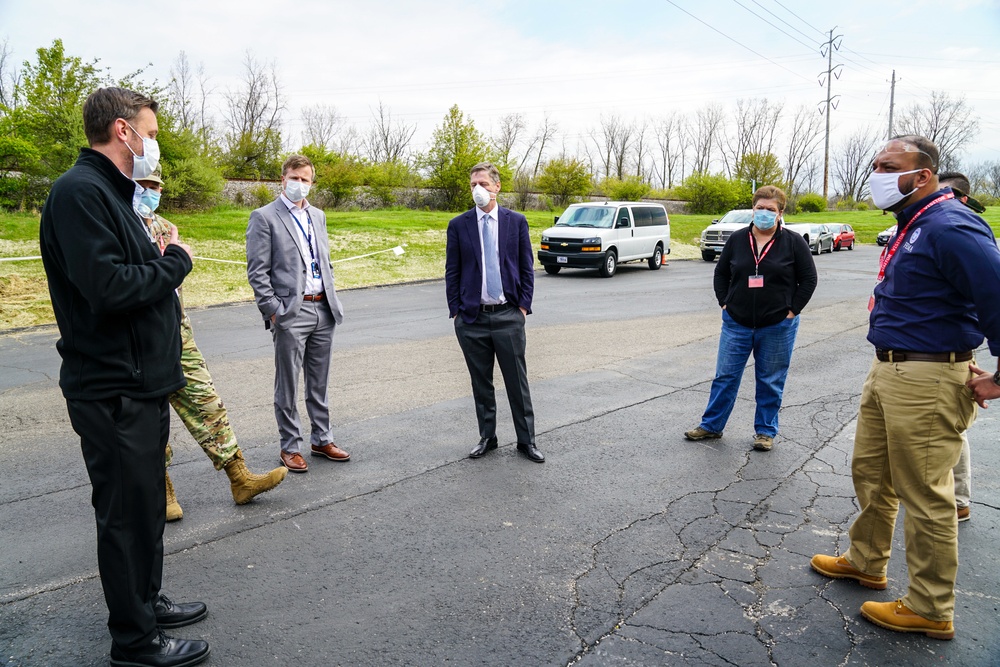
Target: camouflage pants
<point>199,406</point>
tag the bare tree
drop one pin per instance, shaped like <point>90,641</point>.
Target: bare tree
<point>756,121</point>
<point>641,147</point>
<point>387,141</point>
<point>543,136</point>
<point>949,123</point>
<point>10,77</point>
<point>181,91</point>
<point>613,143</point>
<point>851,164</point>
<point>252,115</point>
<point>805,138</point>
<point>511,129</point>
<point>705,135</point>
<point>671,138</point>
<point>985,179</point>
<point>321,125</point>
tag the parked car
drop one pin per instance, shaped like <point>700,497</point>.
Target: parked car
<point>884,236</point>
<point>603,235</point>
<point>843,237</point>
<point>819,237</point>
<point>714,237</point>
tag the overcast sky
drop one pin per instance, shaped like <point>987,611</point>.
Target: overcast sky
<point>573,60</point>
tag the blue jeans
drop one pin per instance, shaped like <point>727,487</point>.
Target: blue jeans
<point>772,353</point>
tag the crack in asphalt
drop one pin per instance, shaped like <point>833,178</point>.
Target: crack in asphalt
<point>756,515</point>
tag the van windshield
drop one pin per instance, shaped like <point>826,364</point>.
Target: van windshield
<point>587,216</point>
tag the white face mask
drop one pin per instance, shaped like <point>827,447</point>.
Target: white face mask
<point>885,188</point>
<point>481,196</point>
<point>144,165</point>
<point>296,190</point>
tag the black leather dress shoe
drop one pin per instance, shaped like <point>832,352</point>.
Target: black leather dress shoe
<point>164,651</point>
<point>485,445</point>
<point>531,452</point>
<point>170,614</point>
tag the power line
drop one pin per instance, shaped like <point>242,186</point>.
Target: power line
<point>735,41</point>
<point>774,26</point>
<point>780,19</point>
<point>800,18</point>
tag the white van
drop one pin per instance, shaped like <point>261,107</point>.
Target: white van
<point>602,235</point>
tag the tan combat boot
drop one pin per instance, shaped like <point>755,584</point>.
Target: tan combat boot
<point>245,484</point>
<point>174,511</point>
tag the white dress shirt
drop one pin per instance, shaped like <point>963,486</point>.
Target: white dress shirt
<point>484,296</point>
<point>301,215</point>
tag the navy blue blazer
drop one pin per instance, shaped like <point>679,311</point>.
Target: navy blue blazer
<point>463,273</point>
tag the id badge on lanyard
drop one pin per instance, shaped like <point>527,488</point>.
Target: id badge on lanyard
<point>756,280</point>
<point>888,253</point>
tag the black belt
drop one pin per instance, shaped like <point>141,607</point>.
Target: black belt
<point>939,357</point>
<point>494,307</point>
<point>313,297</point>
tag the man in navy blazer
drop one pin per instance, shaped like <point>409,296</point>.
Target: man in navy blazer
<point>489,280</point>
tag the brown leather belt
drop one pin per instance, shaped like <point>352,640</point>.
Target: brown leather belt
<point>939,357</point>
<point>313,297</point>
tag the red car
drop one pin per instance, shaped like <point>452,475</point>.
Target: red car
<point>843,237</point>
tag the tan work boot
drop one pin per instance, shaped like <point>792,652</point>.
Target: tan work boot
<point>245,484</point>
<point>174,511</point>
<point>837,567</point>
<point>701,434</point>
<point>897,616</point>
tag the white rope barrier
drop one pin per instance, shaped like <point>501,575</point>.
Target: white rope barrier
<point>397,251</point>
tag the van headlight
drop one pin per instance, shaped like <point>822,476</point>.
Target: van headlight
<point>592,244</point>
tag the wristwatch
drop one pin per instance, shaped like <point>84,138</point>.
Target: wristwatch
<point>996,378</point>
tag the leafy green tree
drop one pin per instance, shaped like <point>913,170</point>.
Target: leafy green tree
<point>630,188</point>
<point>564,178</point>
<point>811,202</point>
<point>762,169</point>
<point>457,147</point>
<point>707,193</point>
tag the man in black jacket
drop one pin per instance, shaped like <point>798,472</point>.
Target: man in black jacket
<point>118,314</point>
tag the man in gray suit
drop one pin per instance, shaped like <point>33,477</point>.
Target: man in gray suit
<point>288,265</point>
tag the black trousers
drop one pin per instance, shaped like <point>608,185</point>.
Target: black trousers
<point>123,442</point>
<point>498,335</point>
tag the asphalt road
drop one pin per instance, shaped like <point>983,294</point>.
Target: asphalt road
<point>629,546</point>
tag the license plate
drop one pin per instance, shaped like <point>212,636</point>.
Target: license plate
<point>562,260</point>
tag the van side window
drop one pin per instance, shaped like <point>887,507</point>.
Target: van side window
<point>623,219</point>
<point>659,216</point>
<point>643,216</point>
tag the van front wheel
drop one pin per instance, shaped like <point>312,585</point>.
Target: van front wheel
<point>610,264</point>
<point>552,269</point>
<point>657,259</point>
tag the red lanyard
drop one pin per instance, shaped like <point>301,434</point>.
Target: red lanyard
<point>757,260</point>
<point>888,253</point>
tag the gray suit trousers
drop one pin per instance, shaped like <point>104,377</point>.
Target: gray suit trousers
<point>306,341</point>
<point>498,335</point>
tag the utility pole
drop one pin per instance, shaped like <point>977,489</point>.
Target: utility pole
<point>892,103</point>
<point>829,46</point>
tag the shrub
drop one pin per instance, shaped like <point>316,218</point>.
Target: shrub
<point>630,188</point>
<point>262,194</point>
<point>811,203</point>
<point>564,178</point>
<point>707,193</point>
<point>862,206</point>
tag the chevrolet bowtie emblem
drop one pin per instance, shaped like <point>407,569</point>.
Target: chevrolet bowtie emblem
<point>564,244</point>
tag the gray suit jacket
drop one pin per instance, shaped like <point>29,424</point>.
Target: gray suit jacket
<point>276,268</point>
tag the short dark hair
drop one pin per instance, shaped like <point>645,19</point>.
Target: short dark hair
<point>489,168</point>
<point>955,180</point>
<point>106,105</point>
<point>771,192</point>
<point>928,155</point>
<point>296,162</point>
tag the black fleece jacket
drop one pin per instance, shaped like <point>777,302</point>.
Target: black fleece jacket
<point>789,278</point>
<point>112,292</point>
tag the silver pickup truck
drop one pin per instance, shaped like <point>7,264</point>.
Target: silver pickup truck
<point>714,237</point>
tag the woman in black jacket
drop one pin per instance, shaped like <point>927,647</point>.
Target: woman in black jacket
<point>764,279</point>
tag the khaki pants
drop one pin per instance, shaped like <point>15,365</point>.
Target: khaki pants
<point>908,440</point>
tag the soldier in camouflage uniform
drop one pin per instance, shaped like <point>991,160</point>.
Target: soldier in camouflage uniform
<point>198,404</point>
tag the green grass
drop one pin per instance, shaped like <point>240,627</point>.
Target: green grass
<point>220,234</point>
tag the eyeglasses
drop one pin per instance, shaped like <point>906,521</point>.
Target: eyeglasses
<point>902,147</point>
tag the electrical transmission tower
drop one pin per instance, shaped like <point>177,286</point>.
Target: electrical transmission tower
<point>826,78</point>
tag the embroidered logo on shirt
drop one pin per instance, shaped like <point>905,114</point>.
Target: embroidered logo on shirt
<point>908,246</point>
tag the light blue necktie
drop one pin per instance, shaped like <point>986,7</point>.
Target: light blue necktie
<point>491,252</point>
